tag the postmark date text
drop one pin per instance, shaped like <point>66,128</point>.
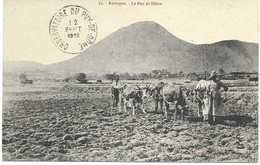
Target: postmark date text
<point>73,35</point>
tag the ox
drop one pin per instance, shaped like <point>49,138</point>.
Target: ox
<point>176,94</point>
<point>133,95</point>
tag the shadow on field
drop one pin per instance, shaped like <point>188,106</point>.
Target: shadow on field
<point>195,119</point>
<point>232,120</point>
<point>237,120</point>
<point>155,112</point>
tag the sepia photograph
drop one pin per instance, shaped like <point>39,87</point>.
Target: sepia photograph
<point>130,81</point>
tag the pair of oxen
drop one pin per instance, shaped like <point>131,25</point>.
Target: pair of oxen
<point>161,93</point>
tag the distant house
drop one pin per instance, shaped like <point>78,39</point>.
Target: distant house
<point>240,75</point>
<point>26,81</point>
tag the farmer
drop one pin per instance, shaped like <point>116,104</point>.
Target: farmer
<point>215,104</point>
<point>158,95</point>
<point>115,89</point>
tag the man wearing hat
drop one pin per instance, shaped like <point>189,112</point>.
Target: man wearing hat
<point>216,110</point>
<point>115,86</point>
<point>158,95</point>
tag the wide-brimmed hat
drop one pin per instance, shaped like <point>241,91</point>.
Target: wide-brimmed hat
<point>213,74</point>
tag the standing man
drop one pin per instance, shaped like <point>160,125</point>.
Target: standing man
<point>158,95</point>
<point>115,90</point>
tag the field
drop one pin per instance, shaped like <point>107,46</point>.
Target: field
<point>60,122</point>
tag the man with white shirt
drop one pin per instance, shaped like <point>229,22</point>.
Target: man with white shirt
<point>115,90</point>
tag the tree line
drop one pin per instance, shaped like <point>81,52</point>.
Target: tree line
<point>156,74</point>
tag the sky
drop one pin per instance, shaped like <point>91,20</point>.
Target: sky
<point>26,23</point>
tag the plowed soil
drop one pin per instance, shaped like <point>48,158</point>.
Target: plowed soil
<point>76,124</point>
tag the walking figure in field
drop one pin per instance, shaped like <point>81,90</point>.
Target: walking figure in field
<point>214,106</point>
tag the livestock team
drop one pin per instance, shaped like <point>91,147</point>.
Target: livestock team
<point>206,94</point>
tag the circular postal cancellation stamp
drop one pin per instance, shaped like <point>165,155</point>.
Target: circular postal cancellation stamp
<point>72,29</point>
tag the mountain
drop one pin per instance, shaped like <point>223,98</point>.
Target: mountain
<point>12,70</point>
<point>145,46</point>
<point>22,66</point>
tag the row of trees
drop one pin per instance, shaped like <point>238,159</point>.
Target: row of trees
<point>157,74</point>
<point>79,77</point>
<point>160,74</point>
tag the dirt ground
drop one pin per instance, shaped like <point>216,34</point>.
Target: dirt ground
<point>78,124</point>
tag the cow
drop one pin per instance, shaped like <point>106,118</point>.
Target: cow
<point>177,94</point>
<point>133,95</point>
<point>201,96</point>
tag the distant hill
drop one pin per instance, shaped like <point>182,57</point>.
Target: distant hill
<point>145,46</point>
<point>22,66</point>
<point>12,69</point>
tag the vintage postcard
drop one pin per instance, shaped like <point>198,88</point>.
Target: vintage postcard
<point>130,80</point>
